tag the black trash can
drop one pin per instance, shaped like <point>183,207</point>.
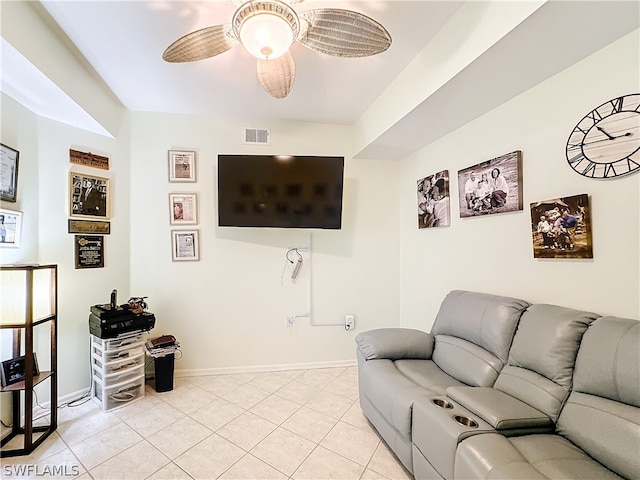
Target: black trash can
<point>164,372</point>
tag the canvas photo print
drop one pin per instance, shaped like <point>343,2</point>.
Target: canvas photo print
<point>493,186</point>
<point>433,200</point>
<point>561,228</point>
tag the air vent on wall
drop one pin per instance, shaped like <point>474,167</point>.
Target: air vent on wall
<point>256,136</point>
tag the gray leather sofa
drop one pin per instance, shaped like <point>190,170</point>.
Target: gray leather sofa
<point>491,393</point>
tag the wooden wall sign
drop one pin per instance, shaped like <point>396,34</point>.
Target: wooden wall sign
<point>88,159</point>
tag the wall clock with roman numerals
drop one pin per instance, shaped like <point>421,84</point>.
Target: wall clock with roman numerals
<point>606,142</point>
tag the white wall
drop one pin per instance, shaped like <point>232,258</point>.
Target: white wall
<point>493,253</point>
<point>19,132</point>
<point>43,197</point>
<point>229,309</point>
<point>80,288</point>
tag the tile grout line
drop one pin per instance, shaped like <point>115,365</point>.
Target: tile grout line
<point>344,381</point>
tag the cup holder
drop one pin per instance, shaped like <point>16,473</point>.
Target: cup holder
<point>441,403</point>
<point>465,421</point>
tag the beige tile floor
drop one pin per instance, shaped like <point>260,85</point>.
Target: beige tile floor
<point>302,424</point>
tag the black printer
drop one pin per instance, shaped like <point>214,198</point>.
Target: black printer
<point>110,320</point>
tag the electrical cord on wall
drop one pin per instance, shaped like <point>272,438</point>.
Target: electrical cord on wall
<point>297,266</point>
<point>309,313</point>
<point>293,250</point>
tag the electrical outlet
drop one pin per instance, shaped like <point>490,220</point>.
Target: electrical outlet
<point>290,322</point>
<point>349,322</point>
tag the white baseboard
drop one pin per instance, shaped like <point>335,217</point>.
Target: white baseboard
<point>42,409</point>
<point>72,396</point>
<point>61,401</point>
<point>195,372</point>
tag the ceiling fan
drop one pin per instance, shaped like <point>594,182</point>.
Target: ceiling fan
<point>267,28</point>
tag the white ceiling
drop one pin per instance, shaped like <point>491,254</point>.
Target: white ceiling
<point>123,41</point>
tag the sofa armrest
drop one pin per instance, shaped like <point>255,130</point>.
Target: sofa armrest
<point>395,344</point>
<point>498,409</point>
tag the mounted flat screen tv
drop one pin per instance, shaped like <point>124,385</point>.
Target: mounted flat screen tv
<point>280,191</point>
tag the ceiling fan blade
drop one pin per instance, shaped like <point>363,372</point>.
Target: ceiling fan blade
<point>277,75</point>
<point>205,43</point>
<point>344,33</point>
<point>237,3</point>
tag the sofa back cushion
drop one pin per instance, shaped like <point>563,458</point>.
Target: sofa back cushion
<point>473,332</point>
<point>540,367</point>
<point>466,361</point>
<point>602,414</point>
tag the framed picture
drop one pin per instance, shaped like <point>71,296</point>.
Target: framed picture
<point>493,186</point>
<point>433,200</point>
<point>184,245</point>
<point>8,173</point>
<point>89,196</point>
<point>183,208</point>
<point>10,228</point>
<point>182,166</point>
<point>561,228</point>
<point>89,251</point>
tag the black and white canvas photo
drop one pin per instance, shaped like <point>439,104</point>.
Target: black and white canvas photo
<point>88,196</point>
<point>433,200</point>
<point>561,228</point>
<point>492,186</point>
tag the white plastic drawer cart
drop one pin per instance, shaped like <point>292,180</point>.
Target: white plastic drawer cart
<point>117,366</point>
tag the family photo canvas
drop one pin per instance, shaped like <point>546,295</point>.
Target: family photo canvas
<point>492,186</point>
<point>561,228</point>
<point>433,200</point>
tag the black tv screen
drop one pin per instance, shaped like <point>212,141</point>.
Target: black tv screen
<point>280,191</point>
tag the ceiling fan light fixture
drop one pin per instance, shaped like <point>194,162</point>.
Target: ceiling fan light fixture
<point>266,28</point>
<point>266,36</point>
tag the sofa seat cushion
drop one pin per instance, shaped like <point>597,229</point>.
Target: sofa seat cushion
<point>492,456</point>
<point>426,374</point>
